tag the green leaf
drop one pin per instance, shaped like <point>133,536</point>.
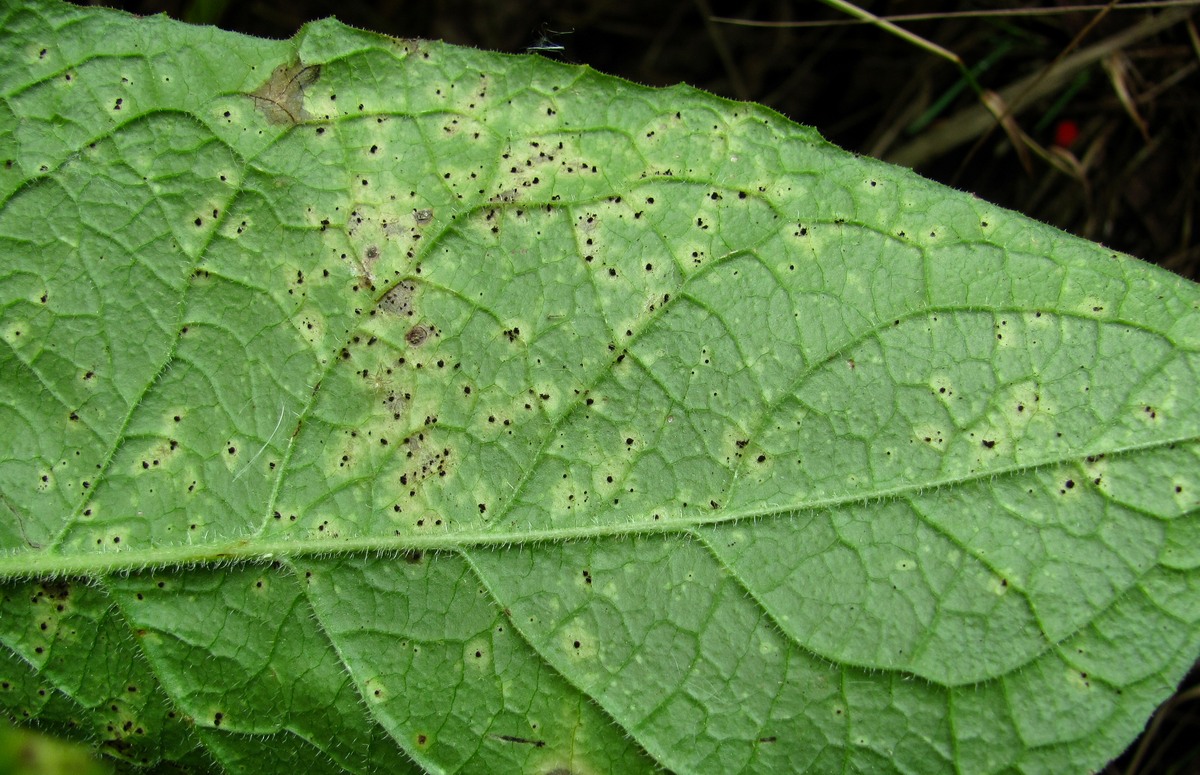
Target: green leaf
<point>381,406</point>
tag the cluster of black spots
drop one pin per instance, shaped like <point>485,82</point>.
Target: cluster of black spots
<point>425,465</point>
<point>398,301</point>
<point>666,297</point>
<point>395,402</point>
<point>56,592</point>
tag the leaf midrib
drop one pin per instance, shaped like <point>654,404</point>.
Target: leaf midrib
<point>251,548</point>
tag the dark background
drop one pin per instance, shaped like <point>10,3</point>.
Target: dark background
<point>1127,179</point>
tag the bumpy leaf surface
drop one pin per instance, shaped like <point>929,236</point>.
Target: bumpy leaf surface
<point>384,406</point>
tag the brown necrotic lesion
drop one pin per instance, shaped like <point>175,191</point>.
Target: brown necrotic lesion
<point>281,96</point>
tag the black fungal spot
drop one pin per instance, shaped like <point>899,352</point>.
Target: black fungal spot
<point>521,740</point>
<point>989,443</point>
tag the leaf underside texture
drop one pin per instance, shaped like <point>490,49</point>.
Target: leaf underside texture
<point>372,405</point>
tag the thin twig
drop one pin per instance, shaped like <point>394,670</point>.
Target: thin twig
<point>882,23</point>
<point>995,13</point>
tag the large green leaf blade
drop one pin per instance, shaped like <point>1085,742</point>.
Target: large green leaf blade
<point>854,473</point>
